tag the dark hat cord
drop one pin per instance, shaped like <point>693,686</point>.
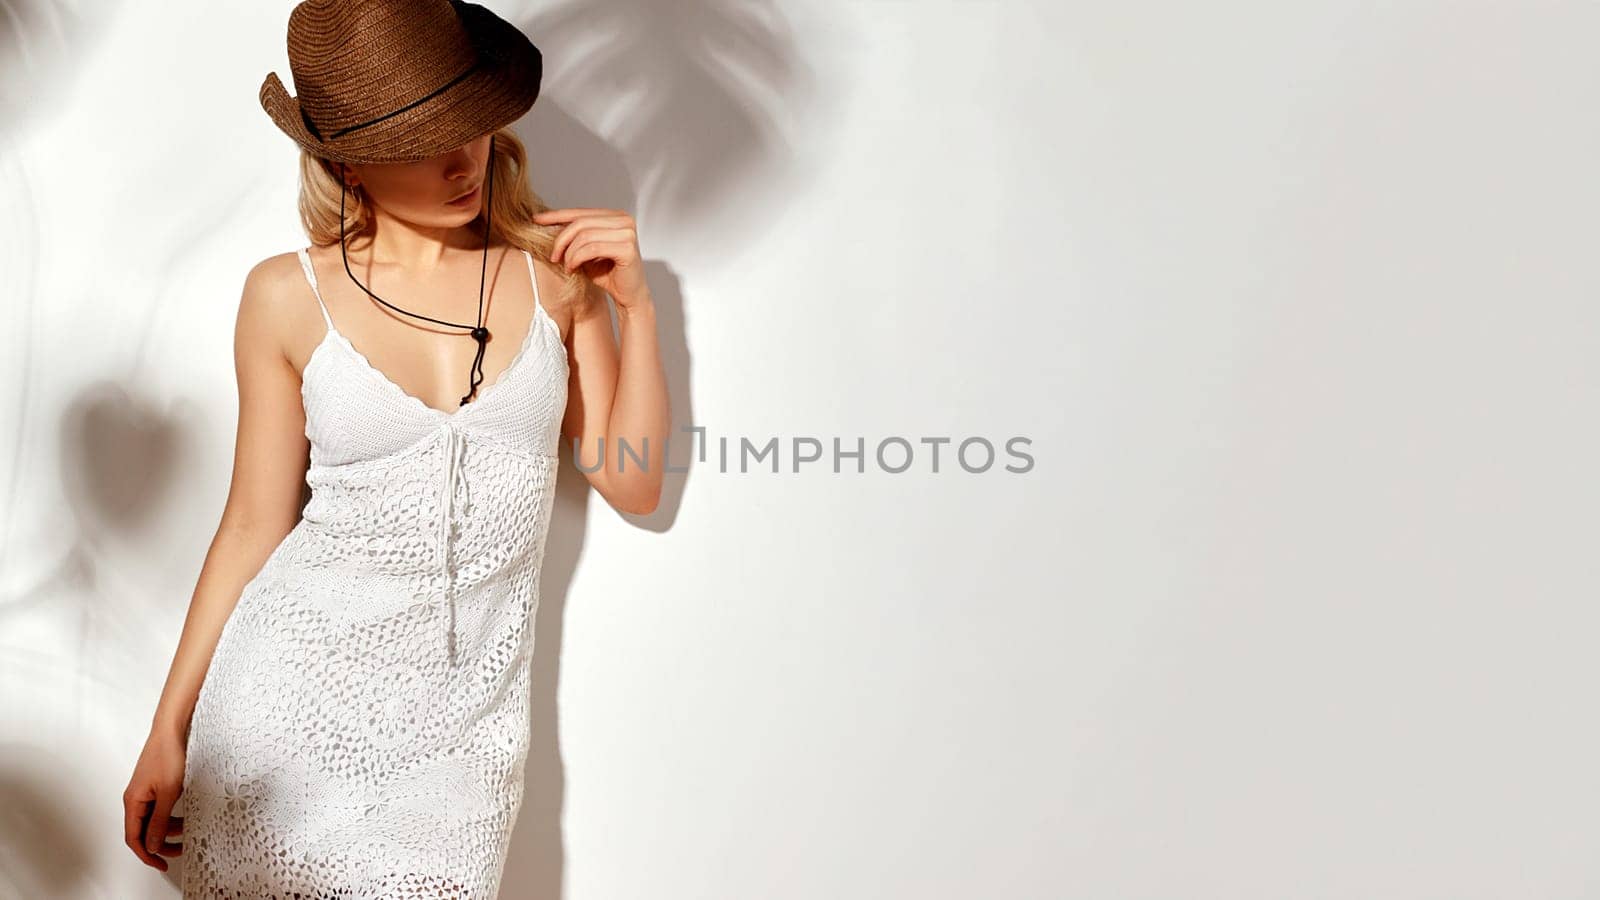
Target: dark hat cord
<point>479,332</point>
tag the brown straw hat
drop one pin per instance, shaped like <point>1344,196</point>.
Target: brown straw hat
<point>400,80</point>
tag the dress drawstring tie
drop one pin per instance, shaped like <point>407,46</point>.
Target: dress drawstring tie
<point>453,446</point>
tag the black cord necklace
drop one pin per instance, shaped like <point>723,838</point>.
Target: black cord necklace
<point>478,332</point>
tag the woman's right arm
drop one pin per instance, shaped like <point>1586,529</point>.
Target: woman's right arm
<point>269,465</point>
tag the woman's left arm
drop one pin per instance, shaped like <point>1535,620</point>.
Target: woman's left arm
<point>617,405</point>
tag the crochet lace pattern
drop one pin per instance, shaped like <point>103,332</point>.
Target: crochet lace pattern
<point>363,725</point>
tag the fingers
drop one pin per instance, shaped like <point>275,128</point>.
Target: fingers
<point>617,224</point>
<point>612,228</point>
<point>606,251</point>
<point>588,231</point>
<point>136,806</point>
<point>174,828</point>
<point>155,833</point>
<point>552,216</point>
<point>613,243</point>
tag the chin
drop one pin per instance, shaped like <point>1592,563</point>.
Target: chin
<point>463,216</point>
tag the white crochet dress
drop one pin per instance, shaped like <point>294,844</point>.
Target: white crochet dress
<point>363,725</point>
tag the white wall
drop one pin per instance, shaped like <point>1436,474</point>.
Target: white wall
<point>1295,302</point>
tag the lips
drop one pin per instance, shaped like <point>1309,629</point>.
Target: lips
<point>462,197</point>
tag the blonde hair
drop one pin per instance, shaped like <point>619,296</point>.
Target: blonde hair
<point>514,206</point>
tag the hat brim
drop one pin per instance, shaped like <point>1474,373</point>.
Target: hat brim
<point>500,91</point>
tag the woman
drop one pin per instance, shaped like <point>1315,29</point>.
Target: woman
<point>347,711</point>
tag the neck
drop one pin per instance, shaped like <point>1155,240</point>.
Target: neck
<point>412,248</point>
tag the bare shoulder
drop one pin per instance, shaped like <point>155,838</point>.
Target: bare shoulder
<point>273,310</point>
<point>275,276</point>
<point>556,295</point>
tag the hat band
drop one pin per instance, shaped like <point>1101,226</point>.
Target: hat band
<point>317,132</point>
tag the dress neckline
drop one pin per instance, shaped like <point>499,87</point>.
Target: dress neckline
<point>485,390</point>
<point>405,397</point>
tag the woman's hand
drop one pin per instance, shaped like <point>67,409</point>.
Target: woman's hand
<point>605,244</point>
<point>147,803</point>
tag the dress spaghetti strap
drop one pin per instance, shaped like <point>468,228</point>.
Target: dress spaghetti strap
<point>311,276</point>
<point>537,305</point>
